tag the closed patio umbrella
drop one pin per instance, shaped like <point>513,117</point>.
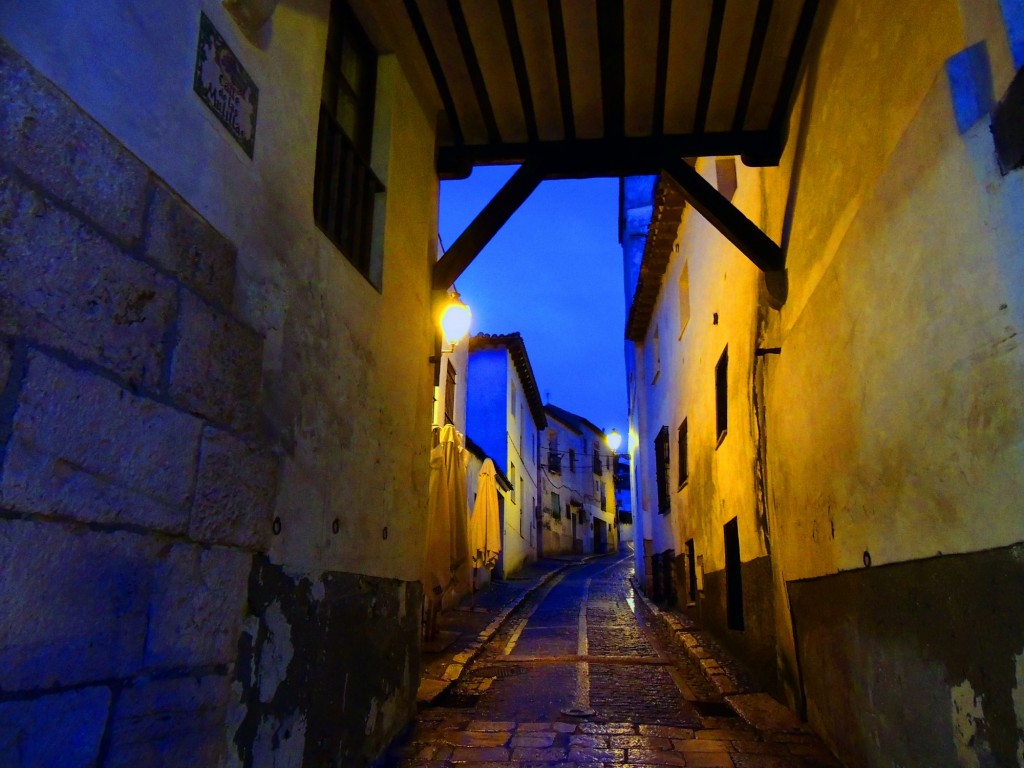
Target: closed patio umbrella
<point>484,526</point>
<point>447,544</point>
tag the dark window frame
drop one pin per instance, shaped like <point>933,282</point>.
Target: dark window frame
<point>691,563</point>
<point>344,185</point>
<point>661,459</point>
<point>722,396</point>
<point>733,576</point>
<point>682,453</point>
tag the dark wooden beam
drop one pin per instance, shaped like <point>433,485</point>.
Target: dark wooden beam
<point>757,38</point>
<point>794,65</point>
<point>811,11</point>
<point>612,47</point>
<point>486,225</point>
<point>562,67</point>
<point>707,77</point>
<point>434,63</point>
<point>584,158</point>
<point>476,75</point>
<point>661,67</point>
<point>726,217</point>
<point>515,49</point>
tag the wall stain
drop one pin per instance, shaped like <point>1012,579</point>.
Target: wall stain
<point>327,666</point>
<point>948,623</point>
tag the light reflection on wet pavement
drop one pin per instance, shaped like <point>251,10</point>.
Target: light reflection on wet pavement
<point>581,646</point>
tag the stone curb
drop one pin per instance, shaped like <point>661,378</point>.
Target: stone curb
<point>459,662</point>
<point>709,666</point>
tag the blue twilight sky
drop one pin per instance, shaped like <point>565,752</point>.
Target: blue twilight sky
<point>553,273</point>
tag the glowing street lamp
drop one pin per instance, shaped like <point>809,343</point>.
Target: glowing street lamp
<point>455,319</point>
<point>614,440</point>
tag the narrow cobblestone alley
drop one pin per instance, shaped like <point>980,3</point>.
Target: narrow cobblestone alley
<point>581,674</point>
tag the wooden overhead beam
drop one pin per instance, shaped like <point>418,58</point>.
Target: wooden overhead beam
<point>561,54</point>
<point>612,45</point>
<point>796,60</point>
<point>434,63</point>
<point>757,39</point>
<point>707,77</point>
<point>725,217</point>
<point>476,75</point>
<point>661,67</point>
<point>486,225</point>
<point>591,158</point>
<point>515,49</point>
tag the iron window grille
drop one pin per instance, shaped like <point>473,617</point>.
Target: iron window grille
<point>344,186</point>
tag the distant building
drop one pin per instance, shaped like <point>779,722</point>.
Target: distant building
<point>504,416</point>
<point>577,470</point>
<point>623,502</point>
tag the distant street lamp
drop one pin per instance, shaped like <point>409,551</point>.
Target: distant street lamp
<point>614,440</point>
<point>455,319</point>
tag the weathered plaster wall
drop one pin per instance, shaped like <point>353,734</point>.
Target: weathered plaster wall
<point>889,429</point>
<point>721,311</point>
<point>939,658</point>
<point>179,385</point>
<point>893,414</point>
<point>519,536</point>
<point>309,694</point>
<point>636,208</point>
<point>723,301</point>
<point>926,433</point>
<point>336,350</point>
<point>657,528</point>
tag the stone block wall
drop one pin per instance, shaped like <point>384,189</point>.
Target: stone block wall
<point>135,486</point>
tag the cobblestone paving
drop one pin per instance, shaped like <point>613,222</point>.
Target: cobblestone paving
<point>650,705</point>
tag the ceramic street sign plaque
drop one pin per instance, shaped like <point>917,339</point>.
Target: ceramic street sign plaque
<point>224,85</point>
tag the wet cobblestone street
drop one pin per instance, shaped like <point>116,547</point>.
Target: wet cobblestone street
<point>580,675</point>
